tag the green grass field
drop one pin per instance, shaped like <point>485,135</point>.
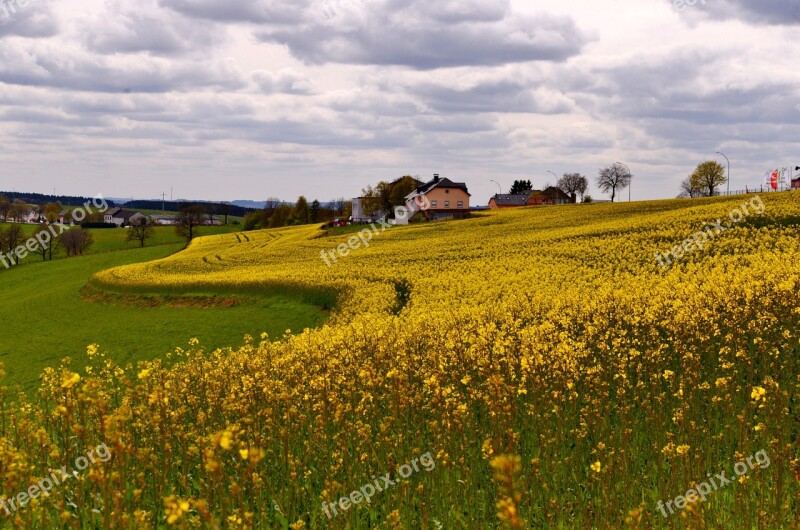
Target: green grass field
<point>46,318</point>
<point>113,239</point>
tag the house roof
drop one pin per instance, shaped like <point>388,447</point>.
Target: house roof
<point>119,213</point>
<point>125,215</point>
<point>511,200</point>
<point>556,193</point>
<point>439,183</point>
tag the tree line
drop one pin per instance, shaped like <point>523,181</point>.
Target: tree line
<point>277,214</point>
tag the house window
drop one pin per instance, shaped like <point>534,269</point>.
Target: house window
<point>433,204</point>
<point>460,204</point>
<point>447,204</point>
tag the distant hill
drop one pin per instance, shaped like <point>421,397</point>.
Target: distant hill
<point>257,205</point>
<point>39,198</point>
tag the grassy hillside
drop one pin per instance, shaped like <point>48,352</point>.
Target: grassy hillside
<point>47,316</point>
<point>545,364</point>
<point>113,239</point>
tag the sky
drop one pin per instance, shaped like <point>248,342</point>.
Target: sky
<point>249,99</point>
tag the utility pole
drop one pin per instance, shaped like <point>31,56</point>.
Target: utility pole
<point>163,195</point>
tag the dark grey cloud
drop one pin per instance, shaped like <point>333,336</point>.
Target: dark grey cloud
<point>128,26</point>
<point>33,20</point>
<point>783,12</point>
<point>69,69</point>
<point>250,11</point>
<point>425,35</point>
<point>493,94</point>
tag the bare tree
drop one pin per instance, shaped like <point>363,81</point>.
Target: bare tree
<point>708,176</point>
<point>48,246</point>
<point>573,184</point>
<point>614,178</point>
<point>187,221</point>
<point>141,230</point>
<point>338,206</point>
<point>5,206</point>
<point>76,241</point>
<point>689,190</point>
<point>18,209</point>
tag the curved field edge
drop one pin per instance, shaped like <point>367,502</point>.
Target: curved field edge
<point>117,280</point>
<point>47,317</point>
<point>552,370</point>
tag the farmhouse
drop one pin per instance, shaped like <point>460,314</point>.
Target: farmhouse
<point>508,201</point>
<point>441,198</point>
<point>551,195</point>
<point>121,217</point>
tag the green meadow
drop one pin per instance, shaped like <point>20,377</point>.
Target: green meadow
<point>47,313</point>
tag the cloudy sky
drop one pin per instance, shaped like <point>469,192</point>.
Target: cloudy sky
<point>245,99</point>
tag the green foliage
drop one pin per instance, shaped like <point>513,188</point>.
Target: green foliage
<point>708,176</point>
<point>521,187</point>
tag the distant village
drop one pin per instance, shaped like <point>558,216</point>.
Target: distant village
<point>442,198</point>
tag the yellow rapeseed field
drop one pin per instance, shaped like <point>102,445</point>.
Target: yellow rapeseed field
<point>558,376</point>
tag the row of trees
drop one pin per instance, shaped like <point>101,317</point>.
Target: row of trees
<point>611,179</point>
<point>573,184</point>
<point>17,209</point>
<point>13,210</point>
<point>74,242</point>
<point>277,213</point>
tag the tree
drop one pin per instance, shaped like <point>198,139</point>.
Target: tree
<point>300,211</point>
<point>141,230</point>
<point>708,176</point>
<point>51,211</point>
<point>5,206</point>
<point>573,184</point>
<point>280,216</point>
<point>401,189</point>
<point>11,238</point>
<point>226,210</point>
<point>521,187</point>
<point>187,221</point>
<point>270,205</point>
<point>76,241</point>
<point>338,206</point>
<point>377,199</point>
<point>253,221</point>
<point>688,190</point>
<point>314,211</point>
<point>614,178</point>
<point>18,209</point>
<point>48,245</point>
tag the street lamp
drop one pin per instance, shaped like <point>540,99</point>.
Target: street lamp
<point>631,175</point>
<point>556,176</point>
<point>498,186</point>
<point>729,171</point>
